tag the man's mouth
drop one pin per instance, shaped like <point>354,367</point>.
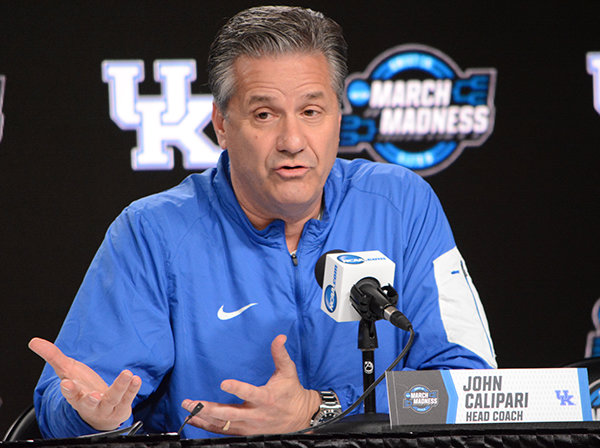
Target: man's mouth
<point>291,170</point>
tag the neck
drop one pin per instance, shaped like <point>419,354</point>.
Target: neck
<point>294,223</point>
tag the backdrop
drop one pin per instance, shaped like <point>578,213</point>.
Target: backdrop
<point>519,181</point>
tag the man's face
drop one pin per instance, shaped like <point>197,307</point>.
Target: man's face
<point>281,130</point>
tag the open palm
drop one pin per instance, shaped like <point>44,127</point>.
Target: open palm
<point>103,407</point>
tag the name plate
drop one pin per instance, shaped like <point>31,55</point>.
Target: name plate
<point>488,396</point>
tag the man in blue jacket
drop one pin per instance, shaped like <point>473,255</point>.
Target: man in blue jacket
<point>192,285</point>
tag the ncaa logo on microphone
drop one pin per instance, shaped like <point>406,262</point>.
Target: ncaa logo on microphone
<point>350,259</point>
<point>330,298</point>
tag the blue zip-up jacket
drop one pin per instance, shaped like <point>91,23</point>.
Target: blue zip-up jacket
<point>150,300</point>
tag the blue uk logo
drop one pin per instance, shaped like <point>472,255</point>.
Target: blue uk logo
<point>564,397</point>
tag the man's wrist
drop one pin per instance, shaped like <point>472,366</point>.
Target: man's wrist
<point>314,405</point>
<point>329,408</point>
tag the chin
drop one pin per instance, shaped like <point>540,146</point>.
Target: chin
<point>295,199</point>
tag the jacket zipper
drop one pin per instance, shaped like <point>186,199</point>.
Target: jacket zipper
<point>303,354</point>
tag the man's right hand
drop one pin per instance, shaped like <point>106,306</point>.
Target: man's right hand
<point>100,406</point>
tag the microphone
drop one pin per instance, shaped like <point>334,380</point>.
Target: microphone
<point>374,302</point>
<point>352,290</point>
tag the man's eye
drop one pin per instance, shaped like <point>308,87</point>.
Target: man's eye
<point>263,115</point>
<point>311,112</point>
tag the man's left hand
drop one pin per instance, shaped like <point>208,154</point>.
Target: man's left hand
<point>282,405</point>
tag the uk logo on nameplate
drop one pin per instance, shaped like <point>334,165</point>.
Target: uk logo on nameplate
<point>488,396</point>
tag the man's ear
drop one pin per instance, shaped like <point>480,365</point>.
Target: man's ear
<point>218,121</point>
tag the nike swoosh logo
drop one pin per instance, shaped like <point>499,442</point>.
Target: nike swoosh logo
<point>224,315</point>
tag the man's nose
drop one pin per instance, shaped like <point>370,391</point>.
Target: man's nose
<point>291,136</point>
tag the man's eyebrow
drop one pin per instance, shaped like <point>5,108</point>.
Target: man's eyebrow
<point>317,94</point>
<point>260,99</point>
<point>313,95</point>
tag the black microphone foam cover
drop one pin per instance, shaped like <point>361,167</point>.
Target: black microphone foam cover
<point>320,266</point>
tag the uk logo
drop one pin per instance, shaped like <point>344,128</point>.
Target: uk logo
<point>564,397</point>
<point>593,68</point>
<point>413,106</point>
<point>2,84</point>
<point>174,119</point>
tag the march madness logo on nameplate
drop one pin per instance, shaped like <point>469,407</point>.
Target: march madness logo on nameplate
<point>420,399</point>
<point>413,106</point>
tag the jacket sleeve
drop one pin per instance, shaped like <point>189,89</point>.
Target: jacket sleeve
<point>438,295</point>
<point>119,320</point>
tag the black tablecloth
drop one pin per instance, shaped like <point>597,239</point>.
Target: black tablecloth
<point>447,436</point>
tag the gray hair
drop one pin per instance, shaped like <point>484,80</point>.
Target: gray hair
<point>274,30</point>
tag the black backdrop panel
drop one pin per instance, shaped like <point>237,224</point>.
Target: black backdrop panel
<point>523,206</point>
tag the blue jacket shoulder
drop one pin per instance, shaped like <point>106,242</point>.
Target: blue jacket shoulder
<point>396,183</point>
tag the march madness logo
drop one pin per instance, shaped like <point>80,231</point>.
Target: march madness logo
<point>2,83</point>
<point>593,68</point>
<point>413,106</point>
<point>420,399</point>
<point>176,118</point>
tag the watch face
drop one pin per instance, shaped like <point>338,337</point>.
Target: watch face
<point>328,414</point>
<point>329,409</point>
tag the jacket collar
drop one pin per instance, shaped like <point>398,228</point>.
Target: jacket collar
<point>315,231</point>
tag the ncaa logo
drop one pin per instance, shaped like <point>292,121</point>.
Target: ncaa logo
<point>350,259</point>
<point>330,298</point>
<point>413,106</point>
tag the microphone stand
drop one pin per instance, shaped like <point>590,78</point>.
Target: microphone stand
<point>365,295</point>
<point>371,420</point>
<point>369,300</point>
<point>367,343</point>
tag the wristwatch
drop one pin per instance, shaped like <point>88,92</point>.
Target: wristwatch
<point>330,407</point>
